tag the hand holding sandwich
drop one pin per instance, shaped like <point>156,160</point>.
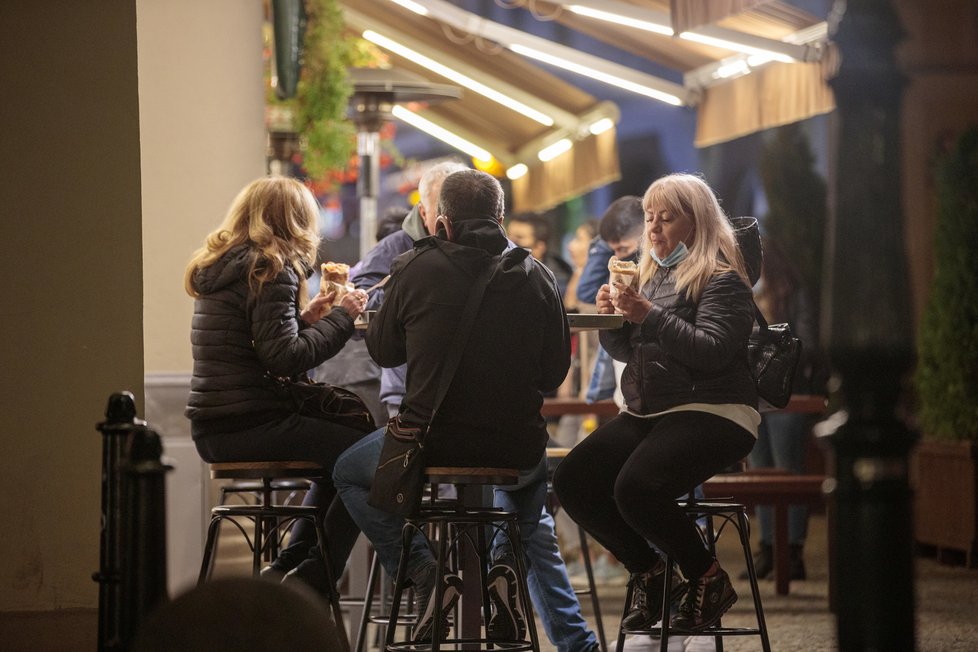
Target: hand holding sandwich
<point>624,300</point>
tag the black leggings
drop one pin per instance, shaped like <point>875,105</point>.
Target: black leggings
<point>621,484</point>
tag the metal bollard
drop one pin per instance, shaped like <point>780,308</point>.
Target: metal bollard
<point>120,419</point>
<point>144,529</point>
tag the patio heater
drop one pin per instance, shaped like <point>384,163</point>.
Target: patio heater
<point>375,92</point>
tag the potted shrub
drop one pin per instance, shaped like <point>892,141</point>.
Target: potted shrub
<point>946,377</point>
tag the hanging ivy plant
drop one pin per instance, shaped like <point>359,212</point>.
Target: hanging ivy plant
<point>327,138</point>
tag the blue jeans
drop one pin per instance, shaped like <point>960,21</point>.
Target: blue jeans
<point>781,442</point>
<point>550,588</point>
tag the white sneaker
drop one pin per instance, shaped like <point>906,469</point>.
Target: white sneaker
<point>701,644</point>
<point>648,644</point>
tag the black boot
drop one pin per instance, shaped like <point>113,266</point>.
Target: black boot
<point>796,571</point>
<point>763,562</point>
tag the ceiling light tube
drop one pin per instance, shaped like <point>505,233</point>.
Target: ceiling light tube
<point>551,152</point>
<point>733,45</point>
<point>457,77</point>
<point>601,126</point>
<point>590,12</point>
<point>413,6</point>
<point>597,74</point>
<point>440,133</point>
<point>517,171</point>
<point>732,69</point>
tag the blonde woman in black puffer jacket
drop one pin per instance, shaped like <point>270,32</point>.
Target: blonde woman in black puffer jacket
<point>253,322</point>
<point>691,404</point>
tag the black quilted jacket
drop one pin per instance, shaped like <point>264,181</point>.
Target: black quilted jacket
<point>686,352</point>
<point>239,339</point>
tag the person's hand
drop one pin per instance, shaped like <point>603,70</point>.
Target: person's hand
<point>354,302</point>
<point>318,307</point>
<point>632,305</point>
<point>603,300</point>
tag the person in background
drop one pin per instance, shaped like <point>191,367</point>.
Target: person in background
<point>619,234</point>
<point>550,587</point>
<point>578,250</point>
<point>690,404</point>
<point>391,221</point>
<point>782,440</point>
<point>253,322</point>
<point>532,232</point>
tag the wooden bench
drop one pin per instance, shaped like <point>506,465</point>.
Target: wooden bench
<point>556,407</point>
<point>779,490</point>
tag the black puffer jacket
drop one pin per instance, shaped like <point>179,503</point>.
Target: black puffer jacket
<point>686,352</point>
<point>239,339</point>
<point>519,345</point>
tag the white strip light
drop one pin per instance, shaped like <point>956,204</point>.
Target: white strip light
<point>601,126</point>
<point>736,47</point>
<point>440,133</point>
<point>413,6</point>
<point>596,74</point>
<point>517,171</point>
<point>551,152</point>
<point>666,30</point>
<point>457,77</point>
<point>656,28</point>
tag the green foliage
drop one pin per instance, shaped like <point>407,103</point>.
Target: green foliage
<point>947,341</point>
<point>797,200</point>
<point>327,137</point>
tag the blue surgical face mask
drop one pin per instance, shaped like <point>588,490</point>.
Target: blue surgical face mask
<point>677,256</point>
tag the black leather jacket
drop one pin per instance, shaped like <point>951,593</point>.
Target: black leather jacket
<point>686,352</point>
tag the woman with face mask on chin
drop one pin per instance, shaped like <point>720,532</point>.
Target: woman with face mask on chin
<point>690,404</point>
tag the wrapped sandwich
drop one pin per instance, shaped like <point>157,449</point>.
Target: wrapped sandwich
<point>336,277</point>
<point>622,271</point>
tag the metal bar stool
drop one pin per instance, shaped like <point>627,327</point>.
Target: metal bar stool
<point>554,455</point>
<point>735,515</point>
<point>455,522</point>
<point>269,519</point>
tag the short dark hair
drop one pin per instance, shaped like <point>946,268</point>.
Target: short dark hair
<point>540,226</point>
<point>624,218</point>
<point>471,195</point>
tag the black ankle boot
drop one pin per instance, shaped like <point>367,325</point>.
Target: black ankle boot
<point>797,568</point>
<point>763,562</point>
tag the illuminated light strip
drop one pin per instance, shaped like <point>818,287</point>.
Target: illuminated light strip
<point>668,98</point>
<point>457,77</point>
<point>736,47</point>
<point>656,28</point>
<point>600,126</point>
<point>551,152</point>
<point>517,171</point>
<point>440,133</point>
<point>738,67</point>
<point>413,6</point>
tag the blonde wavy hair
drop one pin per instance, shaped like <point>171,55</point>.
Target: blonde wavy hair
<point>714,249</point>
<point>278,219</point>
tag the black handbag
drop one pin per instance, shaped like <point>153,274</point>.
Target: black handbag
<point>330,402</point>
<point>398,482</point>
<point>772,355</point>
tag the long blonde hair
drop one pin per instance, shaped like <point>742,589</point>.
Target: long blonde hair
<point>714,249</point>
<point>277,218</point>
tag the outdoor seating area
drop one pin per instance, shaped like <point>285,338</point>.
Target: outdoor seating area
<point>528,325</point>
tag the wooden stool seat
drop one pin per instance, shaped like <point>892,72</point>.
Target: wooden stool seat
<point>266,470</point>
<point>270,520</point>
<point>464,475</point>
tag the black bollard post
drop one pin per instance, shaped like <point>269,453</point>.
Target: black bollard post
<point>120,419</point>
<point>144,529</point>
<point>867,321</point>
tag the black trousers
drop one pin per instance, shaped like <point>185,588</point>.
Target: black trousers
<point>621,484</point>
<point>297,438</point>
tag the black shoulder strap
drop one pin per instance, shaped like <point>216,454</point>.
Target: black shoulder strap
<point>462,335</point>
<point>759,317</point>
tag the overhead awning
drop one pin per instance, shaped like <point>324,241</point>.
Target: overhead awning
<point>745,65</point>
<point>558,110</point>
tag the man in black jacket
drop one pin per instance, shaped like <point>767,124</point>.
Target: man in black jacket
<point>518,348</point>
